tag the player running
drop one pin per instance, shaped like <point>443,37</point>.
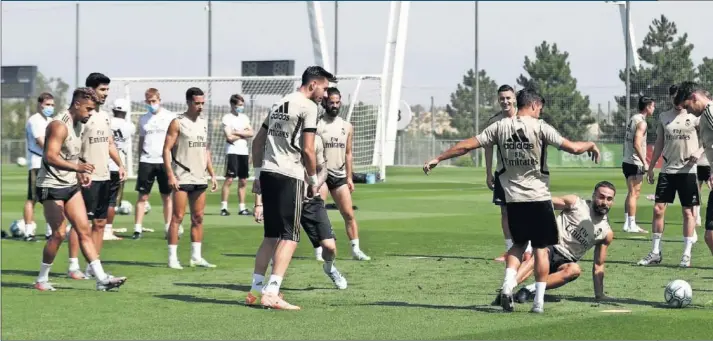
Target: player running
<point>58,189</point>
<point>186,147</point>
<point>583,225</point>
<point>677,141</point>
<point>237,131</point>
<point>697,101</point>
<point>634,164</point>
<point>523,142</point>
<point>280,180</point>
<point>123,131</point>
<point>337,135</point>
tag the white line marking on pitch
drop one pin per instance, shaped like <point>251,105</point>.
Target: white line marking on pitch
<point>615,311</point>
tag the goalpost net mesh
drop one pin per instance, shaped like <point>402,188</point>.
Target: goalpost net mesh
<point>361,106</point>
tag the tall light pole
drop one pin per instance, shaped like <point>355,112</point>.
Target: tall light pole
<point>628,60</point>
<point>76,44</point>
<point>209,8</point>
<point>476,86</point>
<point>336,31</point>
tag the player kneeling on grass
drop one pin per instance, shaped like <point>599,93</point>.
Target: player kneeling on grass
<point>583,224</point>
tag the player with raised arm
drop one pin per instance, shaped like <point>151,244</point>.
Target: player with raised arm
<point>523,142</point>
<point>97,149</point>
<point>123,131</point>
<point>58,189</point>
<point>280,163</point>
<point>337,135</point>
<point>35,138</point>
<point>186,146</point>
<point>506,99</point>
<point>634,164</point>
<point>703,171</point>
<point>583,225</point>
<point>237,129</point>
<point>677,141</point>
<point>697,100</point>
<point>153,126</point>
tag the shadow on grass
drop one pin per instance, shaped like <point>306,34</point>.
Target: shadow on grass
<point>252,255</point>
<point>703,290</point>
<point>440,257</point>
<point>480,308</point>
<point>135,263</point>
<point>30,273</point>
<point>31,286</point>
<point>196,299</point>
<point>616,302</point>
<point>238,287</point>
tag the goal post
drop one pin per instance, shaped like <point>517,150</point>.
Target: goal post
<point>362,106</point>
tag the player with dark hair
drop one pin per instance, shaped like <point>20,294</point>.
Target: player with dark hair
<point>337,135</point>
<point>508,108</point>
<point>237,131</point>
<point>634,165</point>
<point>677,141</point>
<point>583,225</point>
<point>123,131</point>
<point>697,100</point>
<point>280,163</point>
<point>186,147</point>
<point>523,142</point>
<point>58,189</point>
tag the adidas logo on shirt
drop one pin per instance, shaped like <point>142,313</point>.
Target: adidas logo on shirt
<point>518,141</point>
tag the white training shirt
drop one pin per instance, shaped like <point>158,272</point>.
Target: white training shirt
<point>123,131</point>
<point>153,128</point>
<point>237,123</point>
<point>35,128</point>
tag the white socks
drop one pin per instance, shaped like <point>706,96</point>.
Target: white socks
<point>531,287</point>
<point>529,247</point>
<point>273,285</point>
<point>656,243</point>
<point>242,207</point>
<point>44,273</point>
<point>172,253</point>
<point>688,241</point>
<point>48,231</point>
<point>510,281</point>
<point>257,283</point>
<point>30,229</point>
<point>223,205</point>
<point>631,221</point>
<point>73,264</point>
<point>98,270</point>
<point>196,251</point>
<point>166,226</point>
<point>318,252</point>
<point>138,228</point>
<point>355,245</point>
<point>540,288</point>
<point>508,244</point>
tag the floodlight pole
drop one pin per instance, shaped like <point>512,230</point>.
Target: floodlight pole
<point>628,59</point>
<point>76,45</point>
<point>476,86</point>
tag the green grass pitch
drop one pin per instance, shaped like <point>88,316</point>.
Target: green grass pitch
<point>432,240</point>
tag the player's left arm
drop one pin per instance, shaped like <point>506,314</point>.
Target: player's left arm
<point>693,159</point>
<point>600,256</point>
<point>171,136</point>
<point>484,139</point>
<point>349,158</point>
<point>209,168</point>
<point>565,203</point>
<point>258,151</point>
<point>114,155</point>
<point>247,132</point>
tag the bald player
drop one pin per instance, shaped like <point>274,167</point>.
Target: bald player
<point>523,142</point>
<point>634,165</point>
<point>583,224</point>
<point>58,189</point>
<point>186,147</point>
<point>677,141</point>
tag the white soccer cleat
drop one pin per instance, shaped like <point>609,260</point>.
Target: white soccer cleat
<point>339,281</point>
<point>201,263</point>
<point>121,230</point>
<point>174,264</point>
<point>651,258</point>
<point>110,282</point>
<point>538,308</point>
<point>146,229</point>
<point>111,236</point>
<point>634,229</point>
<point>77,274</point>
<point>44,286</point>
<point>360,255</point>
<point>685,261</point>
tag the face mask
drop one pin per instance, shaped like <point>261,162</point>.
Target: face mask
<point>239,110</point>
<point>152,108</point>
<point>48,111</point>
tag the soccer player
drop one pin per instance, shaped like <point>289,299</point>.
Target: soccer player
<point>153,126</point>
<point>583,224</point>
<point>58,189</point>
<point>703,170</point>
<point>677,141</point>
<point>695,99</point>
<point>337,135</point>
<point>237,129</point>
<point>35,138</point>
<point>506,99</point>
<point>278,162</point>
<point>97,148</point>
<point>123,131</point>
<point>523,142</point>
<point>634,164</point>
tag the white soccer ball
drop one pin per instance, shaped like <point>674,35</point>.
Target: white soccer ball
<point>125,208</point>
<point>147,208</point>
<point>17,229</point>
<point>21,161</point>
<point>678,294</point>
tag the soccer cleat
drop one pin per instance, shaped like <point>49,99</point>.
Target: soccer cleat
<point>245,212</point>
<point>502,257</point>
<point>319,258</point>
<point>272,301</point>
<point>496,301</point>
<point>174,264</point>
<point>136,236</point>
<point>523,295</point>
<point>651,258</point>
<point>224,212</point>
<point>201,263</point>
<point>110,282</point>
<point>634,229</point>
<point>30,238</point>
<point>685,261</point>
<point>537,308</point>
<point>120,230</point>
<point>44,286</point>
<point>111,237</point>
<point>339,281</point>
<point>360,255</point>
<point>146,229</point>
<point>253,297</point>
<point>77,274</point>
<point>506,301</point>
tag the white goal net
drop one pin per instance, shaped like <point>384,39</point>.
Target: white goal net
<point>361,105</point>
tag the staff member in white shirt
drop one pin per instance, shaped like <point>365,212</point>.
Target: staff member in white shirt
<point>123,131</point>
<point>35,138</point>
<point>237,129</point>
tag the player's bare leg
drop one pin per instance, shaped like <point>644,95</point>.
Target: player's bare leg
<point>657,227</point>
<point>197,202</point>
<point>542,271</point>
<point>689,237</point>
<point>565,273</point>
<point>168,206</point>
<point>242,188</point>
<point>343,199</point>
<point>697,208</point>
<point>74,271</point>
<point>180,200</point>
<point>512,263</point>
<point>262,260</point>
<point>28,218</point>
<point>329,247</point>
<point>225,195</point>
<point>97,230</point>
<point>633,185</point>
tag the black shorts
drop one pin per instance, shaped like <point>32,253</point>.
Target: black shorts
<point>56,194</point>
<point>237,166</point>
<point>534,222</point>
<point>190,189</point>
<point>498,192</point>
<point>703,173</point>
<point>315,221</point>
<point>31,184</point>
<point>685,184</point>
<point>557,259</point>
<point>116,189</point>
<point>96,199</point>
<point>709,212</point>
<point>282,205</point>
<point>334,182</point>
<point>148,172</point>
<point>630,169</point>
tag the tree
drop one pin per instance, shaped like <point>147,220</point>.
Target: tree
<point>14,112</point>
<point>705,74</point>
<point>566,109</point>
<point>461,107</point>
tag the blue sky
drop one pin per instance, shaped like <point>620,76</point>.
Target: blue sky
<point>164,39</point>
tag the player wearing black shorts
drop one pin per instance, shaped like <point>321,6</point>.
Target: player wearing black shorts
<point>123,131</point>
<point>703,172</point>
<point>634,164</point>
<point>237,131</point>
<point>523,141</point>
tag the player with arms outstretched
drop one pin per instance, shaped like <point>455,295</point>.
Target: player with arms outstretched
<point>634,164</point>
<point>523,142</point>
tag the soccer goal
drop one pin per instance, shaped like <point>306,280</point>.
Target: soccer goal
<point>361,105</point>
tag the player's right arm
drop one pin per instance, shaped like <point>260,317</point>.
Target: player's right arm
<point>56,133</point>
<point>658,149</point>
<point>638,137</point>
<point>39,135</point>
<point>257,211</point>
<point>600,256</point>
<point>258,151</point>
<point>565,203</point>
<point>485,139</point>
<point>169,143</point>
<point>309,115</point>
